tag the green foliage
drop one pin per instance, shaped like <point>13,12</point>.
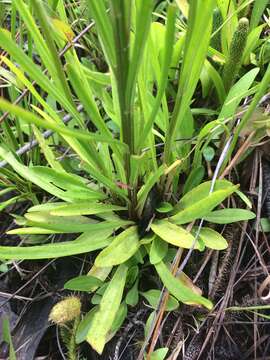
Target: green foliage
<point>257,11</point>
<point>108,307</point>
<point>173,234</point>
<point>153,296</point>
<point>83,283</point>
<point>178,289</point>
<point>159,354</point>
<point>156,104</point>
<point>227,216</point>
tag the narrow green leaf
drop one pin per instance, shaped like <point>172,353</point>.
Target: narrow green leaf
<point>84,208</point>
<point>252,42</point>
<point>121,249</point>
<point>71,224</point>
<point>227,216</point>
<point>229,15</point>
<point>119,319</point>
<point>159,354</point>
<point>132,275</point>
<point>143,21</point>
<point>86,97</point>
<point>34,230</point>
<point>167,55</point>
<point>173,234</point>
<point>59,74</point>
<point>89,156</point>
<point>148,323</point>
<point>105,30</point>
<point>108,307</point>
<point>217,81</point>
<point>212,239</point>
<point>198,37</point>
<point>164,207</point>
<point>236,93</point>
<point>153,297</point>
<point>6,337</point>
<point>83,244</point>
<point>84,325</point>
<point>120,20</point>
<point>99,78</point>
<point>201,192</point>
<point>158,250</point>
<point>183,6</point>
<point>47,207</point>
<point>32,27</point>
<point>178,289</point>
<point>132,297</point>
<point>244,198</point>
<point>47,151</point>
<point>12,200</point>
<point>202,207</point>
<point>257,11</point>
<point>100,273</point>
<point>83,283</point>
<point>65,186</point>
<point>194,179</point>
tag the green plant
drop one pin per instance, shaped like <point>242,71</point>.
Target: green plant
<point>122,197</point>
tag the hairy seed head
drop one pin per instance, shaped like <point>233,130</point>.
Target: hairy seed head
<point>66,310</point>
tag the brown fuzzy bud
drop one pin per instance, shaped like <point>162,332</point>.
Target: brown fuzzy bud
<point>66,310</point>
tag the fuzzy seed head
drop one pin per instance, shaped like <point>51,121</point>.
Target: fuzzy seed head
<point>66,310</point>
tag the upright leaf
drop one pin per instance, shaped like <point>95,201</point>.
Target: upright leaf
<point>198,37</point>
<point>108,307</point>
